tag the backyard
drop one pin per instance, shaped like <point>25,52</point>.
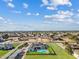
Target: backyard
<point>40,49</point>
<point>60,54</point>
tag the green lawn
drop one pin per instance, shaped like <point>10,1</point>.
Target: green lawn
<point>60,54</point>
<point>15,44</point>
<point>3,52</point>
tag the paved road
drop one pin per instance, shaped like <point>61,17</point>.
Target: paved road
<point>12,51</point>
<point>53,42</point>
<point>19,53</point>
<point>26,49</point>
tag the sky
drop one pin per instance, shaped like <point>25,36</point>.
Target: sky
<point>39,15</point>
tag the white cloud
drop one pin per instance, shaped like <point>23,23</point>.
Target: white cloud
<point>66,13</point>
<point>61,2</point>
<point>11,5</point>
<point>77,22</point>
<point>33,14</point>
<point>25,5</point>
<point>37,14</point>
<point>51,8</point>
<point>45,2</point>
<point>1,18</point>
<point>4,20</point>
<point>78,10</point>
<point>29,13</point>
<point>70,4</point>
<point>8,25</point>
<point>52,4</point>
<point>61,16</point>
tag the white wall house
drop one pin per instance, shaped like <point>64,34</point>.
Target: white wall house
<point>6,45</point>
<point>1,39</point>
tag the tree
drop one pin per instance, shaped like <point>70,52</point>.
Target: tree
<point>51,36</point>
<point>6,36</point>
<point>75,38</point>
<point>69,49</point>
<point>65,43</point>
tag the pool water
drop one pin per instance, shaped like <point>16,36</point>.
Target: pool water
<point>43,51</point>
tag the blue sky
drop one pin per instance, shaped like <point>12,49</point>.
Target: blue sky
<point>39,15</point>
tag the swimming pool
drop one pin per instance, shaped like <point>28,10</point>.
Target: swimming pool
<point>43,51</point>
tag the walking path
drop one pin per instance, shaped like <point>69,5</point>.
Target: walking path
<point>61,45</point>
<point>19,53</point>
<point>26,49</point>
<point>12,51</point>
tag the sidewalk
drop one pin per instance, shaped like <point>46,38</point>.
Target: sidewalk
<point>26,49</point>
<point>12,51</point>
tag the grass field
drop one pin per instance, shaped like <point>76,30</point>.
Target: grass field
<point>60,54</point>
<point>3,52</point>
<point>15,44</point>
